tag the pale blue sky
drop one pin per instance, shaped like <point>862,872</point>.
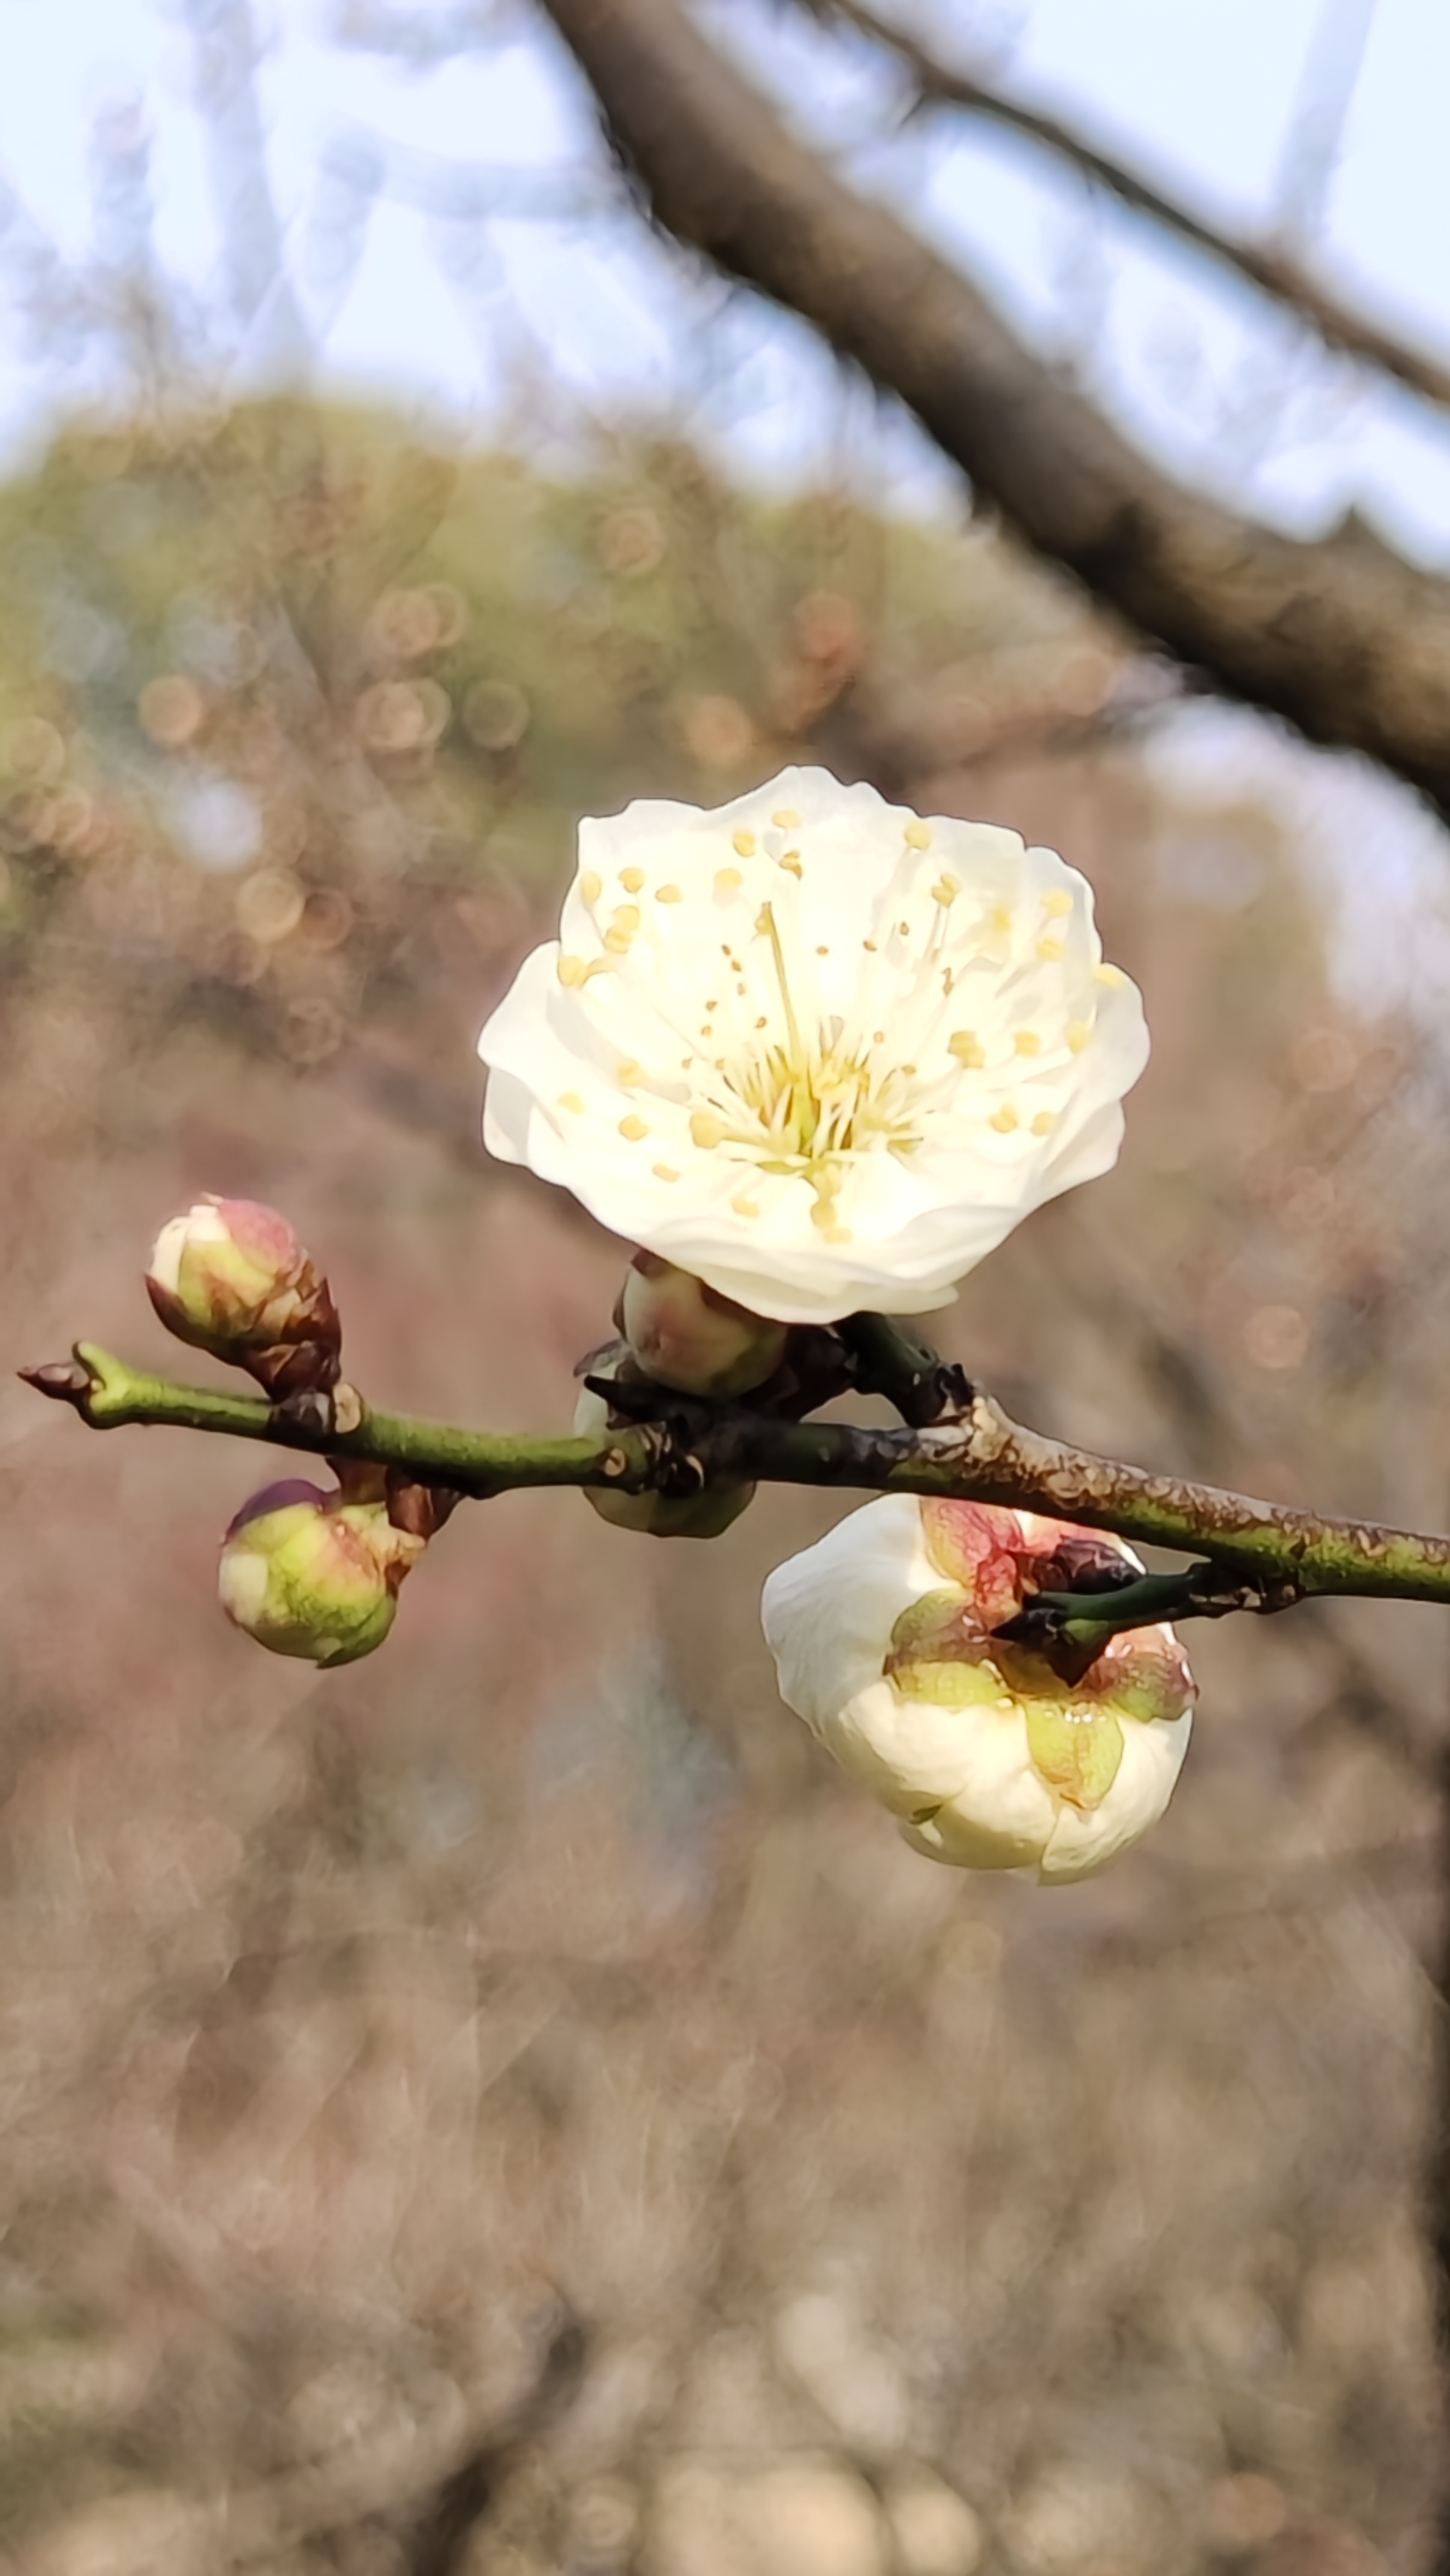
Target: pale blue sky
<point>1205,90</point>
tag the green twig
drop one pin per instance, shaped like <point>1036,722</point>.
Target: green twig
<point>1273,1555</point>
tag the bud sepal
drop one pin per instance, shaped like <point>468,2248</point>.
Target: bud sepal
<point>706,1514</point>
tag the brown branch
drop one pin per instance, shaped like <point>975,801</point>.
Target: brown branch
<point>1269,267</point>
<point>1339,635</point>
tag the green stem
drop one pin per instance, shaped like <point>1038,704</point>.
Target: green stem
<point>1274,1556</point>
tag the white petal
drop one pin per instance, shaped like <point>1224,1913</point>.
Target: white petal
<point>968,1768</point>
<point>829,1612</point>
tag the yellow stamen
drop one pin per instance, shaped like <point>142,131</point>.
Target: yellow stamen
<point>633,1127</point>
<point>728,881</point>
<point>1027,1042</point>
<point>1112,975</point>
<point>790,860</point>
<point>743,843</point>
<point>628,1071</point>
<point>664,1171</point>
<point>1005,1119</point>
<point>1049,950</point>
<point>967,1048</point>
<point>1044,1122</point>
<point>631,879</point>
<point>591,885</point>
<point>792,1025</point>
<point>706,1128</point>
<point>1058,905</point>
<point>571,1100</point>
<point>1079,1032</point>
<point>669,894</point>
<point>946,889</point>
<point>745,1206</point>
<point>785,820</point>
<point>918,836</point>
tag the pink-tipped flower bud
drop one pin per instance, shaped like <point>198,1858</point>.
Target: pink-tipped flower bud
<point>309,1574</point>
<point>231,1278</point>
<point>702,1515</point>
<point>688,1336</point>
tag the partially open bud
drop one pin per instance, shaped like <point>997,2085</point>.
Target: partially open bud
<point>990,1753</point>
<point>688,1336</point>
<point>702,1515</point>
<point>231,1278</point>
<point>306,1573</point>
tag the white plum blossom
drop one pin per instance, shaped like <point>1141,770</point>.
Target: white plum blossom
<point>813,1049</point>
<point>989,1755</point>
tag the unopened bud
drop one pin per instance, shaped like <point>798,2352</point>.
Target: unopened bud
<point>688,1336</point>
<point>231,1278</point>
<point>992,1753</point>
<point>702,1515</point>
<point>309,1574</point>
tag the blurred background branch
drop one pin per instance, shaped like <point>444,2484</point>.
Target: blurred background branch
<point>1275,265</point>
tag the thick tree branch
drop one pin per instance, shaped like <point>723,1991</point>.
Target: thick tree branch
<point>1339,635</point>
<point>1275,1556</point>
<point>1272,269</point>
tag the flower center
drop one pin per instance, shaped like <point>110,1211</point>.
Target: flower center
<point>798,1106</point>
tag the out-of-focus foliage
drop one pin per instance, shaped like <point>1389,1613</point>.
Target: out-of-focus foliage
<point>355,2031</point>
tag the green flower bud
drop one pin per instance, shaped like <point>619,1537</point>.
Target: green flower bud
<point>702,1515</point>
<point>308,1574</point>
<point>230,1277</point>
<point>688,1336</point>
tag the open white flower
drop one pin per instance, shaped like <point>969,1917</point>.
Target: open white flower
<point>818,1052</point>
<point>988,1756</point>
